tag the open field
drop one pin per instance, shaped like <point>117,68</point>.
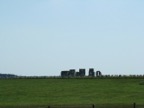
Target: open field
<point>70,91</point>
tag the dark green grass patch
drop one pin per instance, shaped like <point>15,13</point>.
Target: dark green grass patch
<point>70,91</point>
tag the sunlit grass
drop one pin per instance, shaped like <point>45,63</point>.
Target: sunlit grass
<point>70,91</point>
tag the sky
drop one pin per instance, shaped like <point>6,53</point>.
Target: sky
<point>44,37</point>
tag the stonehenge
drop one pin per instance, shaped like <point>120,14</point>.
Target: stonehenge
<point>80,73</point>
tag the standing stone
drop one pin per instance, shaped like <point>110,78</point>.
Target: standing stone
<point>71,73</point>
<point>77,74</point>
<point>98,73</point>
<point>64,73</point>
<point>91,72</point>
<point>82,72</point>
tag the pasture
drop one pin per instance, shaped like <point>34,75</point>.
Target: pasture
<point>25,92</point>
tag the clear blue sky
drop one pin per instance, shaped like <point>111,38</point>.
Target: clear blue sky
<point>43,37</point>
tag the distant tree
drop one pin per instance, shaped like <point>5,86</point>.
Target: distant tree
<point>8,76</point>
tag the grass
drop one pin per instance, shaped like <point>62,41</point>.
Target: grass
<point>25,92</point>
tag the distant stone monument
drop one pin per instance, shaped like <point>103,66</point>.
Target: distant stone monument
<point>64,73</point>
<point>71,73</point>
<point>77,74</point>
<point>98,73</point>
<point>82,72</point>
<point>91,72</point>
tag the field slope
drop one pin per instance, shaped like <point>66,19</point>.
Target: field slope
<point>70,91</point>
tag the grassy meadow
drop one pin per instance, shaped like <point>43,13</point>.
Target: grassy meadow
<point>70,91</point>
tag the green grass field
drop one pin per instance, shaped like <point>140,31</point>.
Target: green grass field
<point>70,91</point>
